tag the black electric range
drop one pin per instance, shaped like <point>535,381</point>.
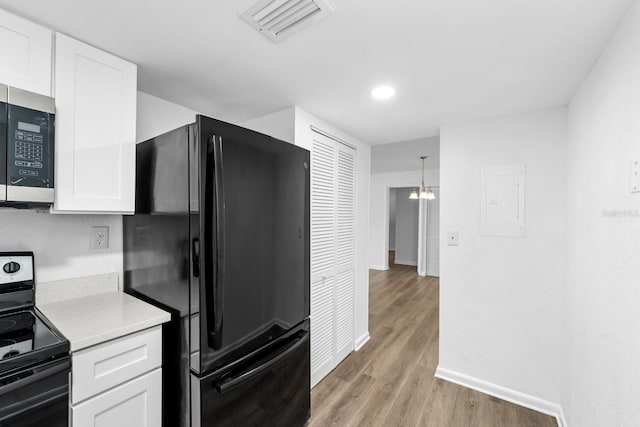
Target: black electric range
<point>34,356</point>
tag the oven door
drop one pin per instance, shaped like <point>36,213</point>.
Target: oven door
<point>38,396</point>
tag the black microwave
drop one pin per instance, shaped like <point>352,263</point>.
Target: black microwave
<point>26,147</point>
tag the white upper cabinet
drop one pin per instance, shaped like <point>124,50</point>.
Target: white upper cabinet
<point>95,96</point>
<point>25,54</point>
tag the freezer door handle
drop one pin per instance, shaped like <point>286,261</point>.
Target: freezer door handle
<point>229,384</point>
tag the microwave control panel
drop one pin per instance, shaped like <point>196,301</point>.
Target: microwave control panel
<point>30,147</point>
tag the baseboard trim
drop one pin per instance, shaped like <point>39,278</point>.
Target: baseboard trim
<point>378,267</point>
<point>322,371</point>
<point>360,342</point>
<point>401,262</point>
<point>504,393</point>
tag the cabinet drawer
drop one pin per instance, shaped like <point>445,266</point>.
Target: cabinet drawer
<point>115,362</point>
<point>137,403</point>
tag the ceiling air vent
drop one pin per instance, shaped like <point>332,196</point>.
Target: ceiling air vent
<point>278,19</point>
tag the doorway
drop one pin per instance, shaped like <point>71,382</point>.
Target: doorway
<point>403,228</point>
<point>414,231</point>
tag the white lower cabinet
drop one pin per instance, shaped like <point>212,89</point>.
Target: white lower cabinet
<point>137,403</point>
<point>118,383</point>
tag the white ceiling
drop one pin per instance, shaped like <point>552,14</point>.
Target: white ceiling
<point>450,60</point>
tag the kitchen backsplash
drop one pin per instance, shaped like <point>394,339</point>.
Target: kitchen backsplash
<point>61,243</point>
<point>60,290</point>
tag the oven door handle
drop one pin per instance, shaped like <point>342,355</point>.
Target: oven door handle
<point>29,376</point>
<point>37,392</point>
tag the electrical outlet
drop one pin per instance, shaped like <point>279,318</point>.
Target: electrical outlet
<point>100,237</point>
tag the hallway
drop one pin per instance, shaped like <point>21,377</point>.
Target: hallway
<point>390,382</point>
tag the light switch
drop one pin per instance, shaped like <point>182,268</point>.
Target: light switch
<point>452,238</point>
<point>634,186</point>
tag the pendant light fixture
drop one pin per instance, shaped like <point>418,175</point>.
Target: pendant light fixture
<point>425,193</point>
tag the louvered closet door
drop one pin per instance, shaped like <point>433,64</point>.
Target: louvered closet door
<point>332,254</point>
<point>345,251</point>
<point>323,221</point>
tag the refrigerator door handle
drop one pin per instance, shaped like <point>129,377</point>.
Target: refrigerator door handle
<point>195,247</point>
<point>231,383</point>
<point>215,287</point>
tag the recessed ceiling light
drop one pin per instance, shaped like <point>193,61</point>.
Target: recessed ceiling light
<point>383,92</point>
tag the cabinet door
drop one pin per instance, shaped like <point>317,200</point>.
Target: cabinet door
<point>137,403</point>
<point>345,250</point>
<point>25,54</point>
<point>95,130</point>
<point>323,257</point>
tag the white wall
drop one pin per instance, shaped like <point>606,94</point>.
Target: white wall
<point>501,298</point>
<point>405,155</point>
<point>392,219</point>
<point>156,116</point>
<point>602,387</point>
<point>280,124</point>
<point>406,228</point>
<point>61,242</point>
<point>379,210</point>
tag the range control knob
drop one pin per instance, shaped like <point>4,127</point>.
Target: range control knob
<point>11,267</point>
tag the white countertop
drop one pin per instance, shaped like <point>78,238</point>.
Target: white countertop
<point>94,319</point>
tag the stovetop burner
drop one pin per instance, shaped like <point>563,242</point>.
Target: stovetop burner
<point>15,323</point>
<point>25,338</point>
<point>16,334</point>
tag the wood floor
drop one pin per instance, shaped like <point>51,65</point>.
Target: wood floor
<point>390,382</point>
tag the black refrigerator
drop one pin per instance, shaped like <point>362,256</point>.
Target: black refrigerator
<point>220,239</point>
